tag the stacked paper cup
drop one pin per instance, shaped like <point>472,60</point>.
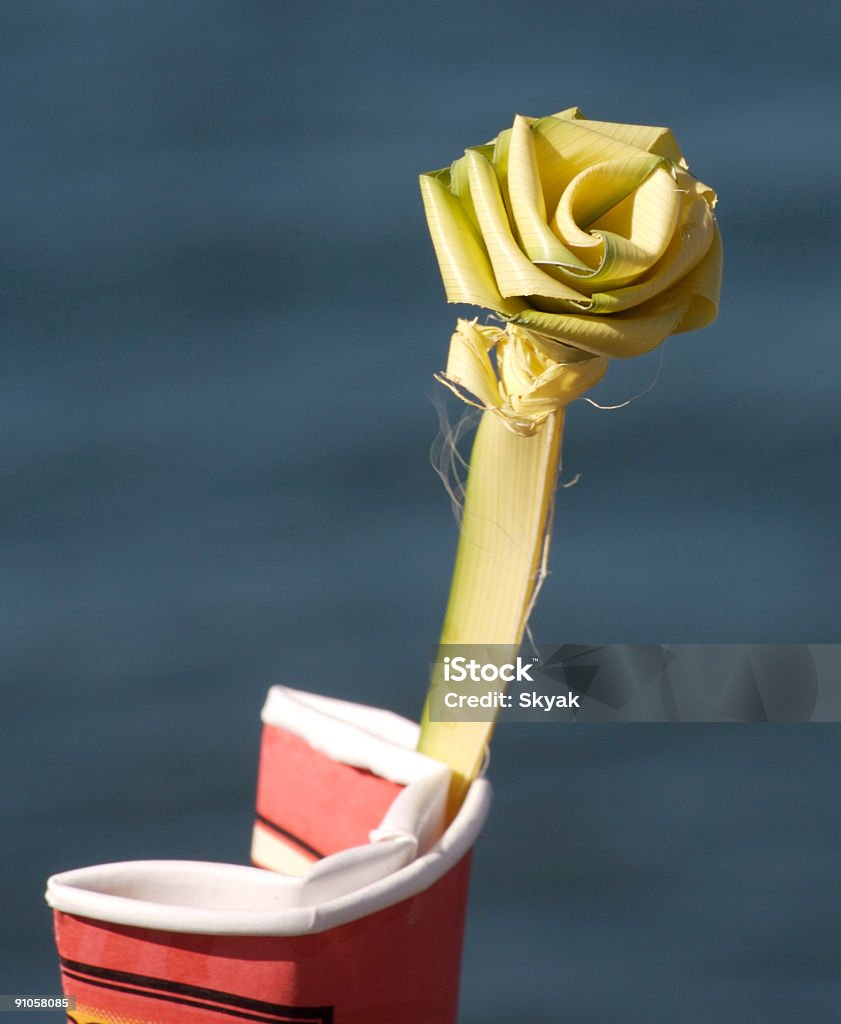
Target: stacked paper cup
<point>359,919</point>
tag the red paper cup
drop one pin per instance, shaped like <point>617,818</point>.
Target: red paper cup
<point>335,775</point>
<point>369,930</point>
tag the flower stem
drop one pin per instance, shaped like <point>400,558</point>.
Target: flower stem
<point>502,548</point>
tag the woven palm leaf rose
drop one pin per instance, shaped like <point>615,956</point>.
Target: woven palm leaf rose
<point>586,241</point>
<point>592,236</point>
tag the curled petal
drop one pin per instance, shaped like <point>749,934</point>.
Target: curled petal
<point>631,235</point>
<point>515,274</point>
<point>597,190</point>
<point>653,140</point>
<point>566,148</point>
<point>465,267</point>
<point>703,286</point>
<point>538,240</point>
<point>689,245</point>
<point>621,336</point>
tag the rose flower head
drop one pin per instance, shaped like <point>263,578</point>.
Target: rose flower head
<point>591,236</point>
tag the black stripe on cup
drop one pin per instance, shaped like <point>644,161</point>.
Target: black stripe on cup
<point>192,995</point>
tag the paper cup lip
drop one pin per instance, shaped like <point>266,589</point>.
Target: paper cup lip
<point>198,897</point>
<point>374,739</point>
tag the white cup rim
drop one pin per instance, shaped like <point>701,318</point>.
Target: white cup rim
<point>197,897</point>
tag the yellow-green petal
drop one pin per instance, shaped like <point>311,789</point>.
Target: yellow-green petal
<point>527,205</point>
<point>703,284</point>
<point>515,274</point>
<point>465,267</point>
<point>690,244</point>
<point>653,140</point>
<point>566,148</point>
<point>596,190</point>
<point>620,336</point>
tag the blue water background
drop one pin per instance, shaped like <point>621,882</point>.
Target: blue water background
<point>220,319</point>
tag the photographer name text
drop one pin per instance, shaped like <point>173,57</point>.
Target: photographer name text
<point>536,701</point>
